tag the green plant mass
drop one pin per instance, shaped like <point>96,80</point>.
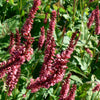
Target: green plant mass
<point>49,50</point>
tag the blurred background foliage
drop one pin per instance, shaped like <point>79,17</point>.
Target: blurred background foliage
<point>72,15</point>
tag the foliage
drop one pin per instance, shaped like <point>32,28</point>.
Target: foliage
<point>73,15</point>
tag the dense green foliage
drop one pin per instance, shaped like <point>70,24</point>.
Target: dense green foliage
<point>73,15</point>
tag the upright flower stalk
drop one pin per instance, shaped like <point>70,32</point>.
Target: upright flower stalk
<point>28,24</point>
<point>51,27</point>
<point>48,58</point>
<point>12,42</point>
<point>95,15</point>
<point>20,52</point>
<point>65,88</point>
<point>97,18</point>
<point>71,93</point>
<point>91,19</point>
<point>12,78</point>
<point>50,48</point>
<point>18,39</point>
<point>27,28</point>
<point>57,70</point>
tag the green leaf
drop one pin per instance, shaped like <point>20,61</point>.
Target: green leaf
<point>78,72</point>
<point>12,23</point>
<point>47,9</point>
<point>66,16</point>
<point>55,7</point>
<point>76,78</point>
<point>61,10</point>
<point>66,40</point>
<point>70,9</point>
<point>23,13</point>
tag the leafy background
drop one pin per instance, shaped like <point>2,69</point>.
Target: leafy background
<point>73,15</point>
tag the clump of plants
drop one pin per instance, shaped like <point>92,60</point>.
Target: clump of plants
<point>60,54</point>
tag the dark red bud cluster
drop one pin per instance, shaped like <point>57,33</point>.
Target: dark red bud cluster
<point>96,88</point>
<point>71,95</point>
<point>95,15</point>
<point>12,42</point>
<point>65,89</point>
<point>97,19</point>
<point>28,24</point>
<point>51,27</point>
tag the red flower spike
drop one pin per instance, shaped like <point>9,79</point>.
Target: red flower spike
<point>91,19</point>
<point>51,27</point>
<point>42,38</point>
<point>12,42</point>
<point>18,39</point>
<point>71,93</point>
<point>12,78</point>
<point>48,59</point>
<point>20,53</point>
<point>65,88</point>
<point>28,24</point>
<point>2,73</point>
<point>57,69</point>
<point>97,18</point>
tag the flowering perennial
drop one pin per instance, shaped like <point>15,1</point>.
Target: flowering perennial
<point>12,42</point>
<point>48,59</point>
<point>97,18</point>
<point>95,15</point>
<point>50,49</point>
<point>19,51</point>
<point>71,93</point>
<point>28,24</point>
<point>54,66</point>
<point>51,27</point>
<point>57,70</point>
<point>65,88</point>
<point>91,19</point>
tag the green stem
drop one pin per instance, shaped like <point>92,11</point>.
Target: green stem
<point>88,39</point>
<point>20,10</point>
<point>74,10</point>
<point>57,88</point>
